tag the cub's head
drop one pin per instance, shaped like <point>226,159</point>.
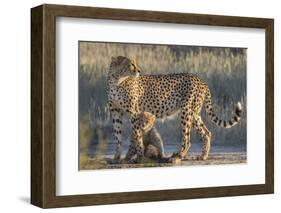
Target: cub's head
<point>122,67</point>
<point>145,121</point>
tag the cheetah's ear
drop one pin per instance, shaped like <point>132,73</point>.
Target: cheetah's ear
<point>133,59</point>
<point>113,59</point>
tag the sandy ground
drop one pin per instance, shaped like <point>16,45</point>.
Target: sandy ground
<point>190,160</point>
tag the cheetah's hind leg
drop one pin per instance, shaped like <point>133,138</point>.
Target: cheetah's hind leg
<point>186,123</point>
<point>205,135</point>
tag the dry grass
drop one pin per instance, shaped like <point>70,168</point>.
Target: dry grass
<point>84,140</point>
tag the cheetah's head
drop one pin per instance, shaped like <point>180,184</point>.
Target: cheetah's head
<point>146,121</point>
<point>122,67</point>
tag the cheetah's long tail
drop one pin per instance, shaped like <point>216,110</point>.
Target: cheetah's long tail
<point>222,123</point>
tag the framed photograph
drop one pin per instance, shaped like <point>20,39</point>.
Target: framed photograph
<point>136,106</point>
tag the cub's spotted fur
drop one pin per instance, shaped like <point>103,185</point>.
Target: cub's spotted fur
<point>161,95</point>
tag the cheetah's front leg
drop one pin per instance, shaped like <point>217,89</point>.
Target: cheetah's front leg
<point>131,152</point>
<point>137,136</point>
<point>117,131</point>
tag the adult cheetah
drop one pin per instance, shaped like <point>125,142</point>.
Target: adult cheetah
<point>161,95</point>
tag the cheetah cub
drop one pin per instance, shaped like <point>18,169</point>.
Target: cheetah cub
<point>152,141</point>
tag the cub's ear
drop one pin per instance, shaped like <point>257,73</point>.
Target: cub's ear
<point>150,118</point>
